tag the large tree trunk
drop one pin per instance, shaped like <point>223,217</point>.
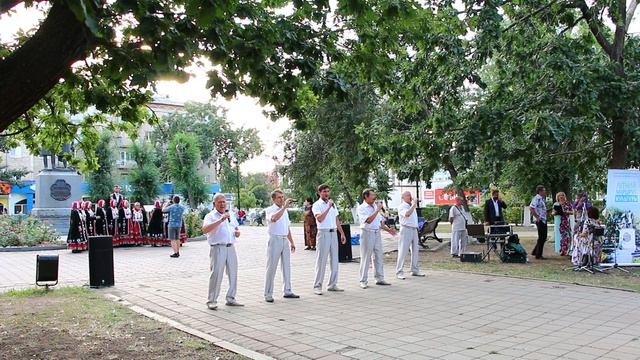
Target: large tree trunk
<point>619,148</point>
<point>28,74</point>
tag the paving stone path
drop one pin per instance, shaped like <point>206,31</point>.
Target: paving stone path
<point>446,315</point>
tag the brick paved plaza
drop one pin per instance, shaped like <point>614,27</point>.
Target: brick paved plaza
<point>446,315</point>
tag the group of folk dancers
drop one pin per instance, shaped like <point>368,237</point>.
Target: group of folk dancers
<point>127,225</point>
<point>222,232</point>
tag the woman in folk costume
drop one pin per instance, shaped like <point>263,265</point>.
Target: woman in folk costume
<point>112,221</point>
<point>77,236</point>
<point>128,215</point>
<point>102,228</point>
<point>155,233</point>
<point>123,224</point>
<point>165,229</point>
<point>138,225</point>
<point>90,218</point>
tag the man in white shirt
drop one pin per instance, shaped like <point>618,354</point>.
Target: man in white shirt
<point>222,232</point>
<point>458,220</point>
<point>280,245</point>
<point>408,235</point>
<point>370,239</point>
<point>326,215</point>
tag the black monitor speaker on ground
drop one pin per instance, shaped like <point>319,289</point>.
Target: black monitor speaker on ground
<point>100,261</point>
<point>47,270</point>
<point>344,250</point>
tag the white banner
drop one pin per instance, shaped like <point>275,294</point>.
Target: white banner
<point>623,194</point>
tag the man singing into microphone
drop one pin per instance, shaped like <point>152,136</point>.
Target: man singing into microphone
<point>222,232</point>
<point>327,218</point>
<point>371,240</point>
<point>280,246</point>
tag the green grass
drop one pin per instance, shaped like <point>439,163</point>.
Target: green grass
<point>68,321</point>
<point>554,268</point>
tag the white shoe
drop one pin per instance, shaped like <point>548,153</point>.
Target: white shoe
<point>317,291</point>
<point>335,288</point>
<point>418,274</point>
<point>363,285</point>
<point>212,306</point>
<point>401,277</point>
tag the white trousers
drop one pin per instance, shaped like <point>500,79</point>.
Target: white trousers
<point>326,245</point>
<point>222,258</point>
<point>458,242</point>
<point>278,250</point>
<point>408,242</point>
<point>371,246</point>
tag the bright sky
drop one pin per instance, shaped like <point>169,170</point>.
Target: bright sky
<point>243,111</point>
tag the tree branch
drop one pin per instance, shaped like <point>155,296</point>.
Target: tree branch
<point>528,16</point>
<point>582,150</point>
<point>6,5</point>
<point>595,26</point>
<point>631,10</point>
<point>30,72</point>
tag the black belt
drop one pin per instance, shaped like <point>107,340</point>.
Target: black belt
<point>329,230</point>
<point>225,245</point>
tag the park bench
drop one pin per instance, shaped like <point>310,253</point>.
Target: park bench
<point>428,232</point>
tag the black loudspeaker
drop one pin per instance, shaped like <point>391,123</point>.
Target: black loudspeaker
<point>100,261</point>
<point>474,257</point>
<point>46,270</point>
<point>344,251</point>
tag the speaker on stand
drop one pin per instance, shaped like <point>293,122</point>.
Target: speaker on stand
<point>100,261</point>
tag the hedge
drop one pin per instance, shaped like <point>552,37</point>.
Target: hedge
<point>25,231</point>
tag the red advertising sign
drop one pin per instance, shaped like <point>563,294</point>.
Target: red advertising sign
<point>429,195</point>
<point>449,197</point>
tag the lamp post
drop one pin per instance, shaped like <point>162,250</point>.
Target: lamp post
<point>234,156</point>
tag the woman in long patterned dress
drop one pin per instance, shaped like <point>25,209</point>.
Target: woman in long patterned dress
<point>310,226</point>
<point>155,235</point>
<point>124,216</point>
<point>585,242</point>
<point>90,218</point>
<point>563,209</point>
<point>138,226</point>
<point>102,228</point>
<point>112,221</point>
<point>77,236</point>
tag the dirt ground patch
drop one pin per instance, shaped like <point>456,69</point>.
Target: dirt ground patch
<point>554,267</point>
<point>76,323</point>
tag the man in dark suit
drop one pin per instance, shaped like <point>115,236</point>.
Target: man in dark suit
<point>117,196</point>
<point>494,209</point>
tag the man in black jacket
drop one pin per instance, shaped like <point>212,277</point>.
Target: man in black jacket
<point>494,209</point>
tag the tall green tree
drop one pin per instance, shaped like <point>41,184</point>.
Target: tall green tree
<point>145,177</point>
<point>330,150</point>
<point>215,137</point>
<point>184,158</point>
<point>100,180</point>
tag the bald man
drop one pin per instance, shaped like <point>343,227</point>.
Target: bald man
<point>408,235</point>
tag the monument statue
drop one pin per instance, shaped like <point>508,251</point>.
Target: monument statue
<point>46,154</point>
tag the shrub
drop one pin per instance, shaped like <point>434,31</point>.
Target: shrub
<point>477,213</point>
<point>296,216</point>
<point>513,215</point>
<point>25,231</point>
<point>193,224</point>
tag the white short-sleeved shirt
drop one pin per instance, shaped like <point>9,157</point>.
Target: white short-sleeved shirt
<point>540,207</point>
<point>223,233</point>
<point>459,218</point>
<point>330,220</point>
<point>364,211</point>
<point>411,220</point>
<point>280,227</point>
